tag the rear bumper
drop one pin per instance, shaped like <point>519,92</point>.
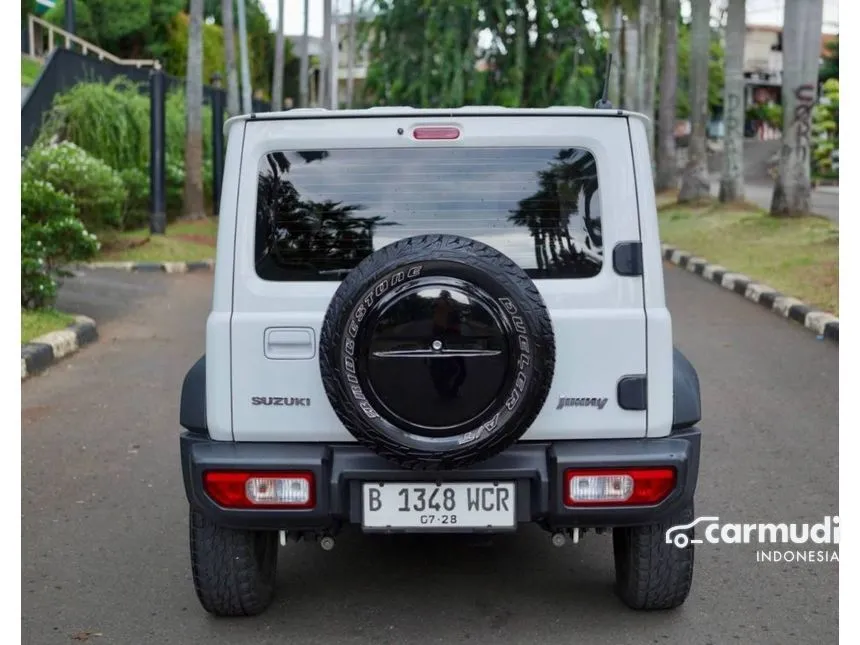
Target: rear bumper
<point>537,469</point>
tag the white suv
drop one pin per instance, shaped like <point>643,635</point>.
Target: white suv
<point>438,320</point>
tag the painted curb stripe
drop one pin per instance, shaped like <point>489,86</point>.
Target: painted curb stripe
<point>42,352</point>
<point>822,323</point>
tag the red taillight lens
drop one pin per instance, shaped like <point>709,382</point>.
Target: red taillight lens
<point>618,486</point>
<point>429,133</point>
<point>239,489</point>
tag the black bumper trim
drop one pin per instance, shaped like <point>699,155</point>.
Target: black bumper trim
<point>536,467</point>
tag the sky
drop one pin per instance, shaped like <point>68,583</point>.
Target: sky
<point>759,12</point>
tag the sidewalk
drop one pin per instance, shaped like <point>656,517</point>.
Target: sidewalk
<point>825,200</point>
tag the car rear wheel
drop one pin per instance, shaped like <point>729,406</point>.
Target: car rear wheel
<point>649,573</point>
<point>233,570</point>
<point>437,351</point>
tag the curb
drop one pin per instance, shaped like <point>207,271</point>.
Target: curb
<point>152,267</point>
<point>825,325</point>
<point>42,352</point>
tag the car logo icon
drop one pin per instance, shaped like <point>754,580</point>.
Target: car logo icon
<point>676,535</point>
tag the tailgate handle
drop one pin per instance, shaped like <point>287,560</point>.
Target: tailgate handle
<point>289,343</point>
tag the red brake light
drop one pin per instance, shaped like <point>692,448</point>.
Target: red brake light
<point>255,489</point>
<point>429,133</point>
<point>618,486</point>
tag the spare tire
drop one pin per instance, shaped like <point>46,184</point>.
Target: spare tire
<point>437,352</point>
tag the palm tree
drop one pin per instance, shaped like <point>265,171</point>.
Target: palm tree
<point>732,180</point>
<point>695,183</point>
<point>193,202</point>
<point>650,13</point>
<point>227,24</point>
<point>667,165</point>
<point>278,71</point>
<point>304,72</point>
<point>615,22</point>
<point>632,97</point>
<point>801,51</point>
<point>350,56</point>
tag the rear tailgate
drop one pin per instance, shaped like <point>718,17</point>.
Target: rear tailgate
<point>319,194</point>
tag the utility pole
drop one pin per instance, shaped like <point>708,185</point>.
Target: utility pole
<point>243,54</point>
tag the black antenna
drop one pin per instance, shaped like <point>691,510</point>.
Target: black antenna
<point>603,102</point>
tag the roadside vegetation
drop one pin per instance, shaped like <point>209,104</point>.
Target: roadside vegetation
<point>30,71</point>
<point>85,187</point>
<point>85,182</point>
<point>184,242</point>
<point>798,256</point>
<point>39,323</point>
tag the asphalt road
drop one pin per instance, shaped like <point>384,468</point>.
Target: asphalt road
<point>104,515</point>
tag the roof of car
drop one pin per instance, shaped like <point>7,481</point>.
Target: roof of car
<point>406,111</point>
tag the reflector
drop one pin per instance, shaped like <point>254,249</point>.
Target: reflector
<point>431,132</point>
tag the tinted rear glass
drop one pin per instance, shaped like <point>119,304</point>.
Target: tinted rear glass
<point>319,213</point>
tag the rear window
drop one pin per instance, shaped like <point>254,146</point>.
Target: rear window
<point>320,213</point>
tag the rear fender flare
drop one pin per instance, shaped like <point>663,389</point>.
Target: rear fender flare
<point>192,404</point>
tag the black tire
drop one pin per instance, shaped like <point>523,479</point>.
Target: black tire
<point>233,571</point>
<point>431,260</point>
<point>649,573</point>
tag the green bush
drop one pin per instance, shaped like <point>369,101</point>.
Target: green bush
<point>111,122</point>
<point>51,235</point>
<point>95,187</point>
<point>825,130</point>
<point>135,210</point>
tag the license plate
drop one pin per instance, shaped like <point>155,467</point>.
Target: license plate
<point>439,506</point>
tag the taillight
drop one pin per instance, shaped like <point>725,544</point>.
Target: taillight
<point>431,132</point>
<point>239,489</point>
<point>618,486</point>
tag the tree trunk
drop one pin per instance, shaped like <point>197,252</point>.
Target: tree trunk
<point>651,51</point>
<point>326,58</point>
<point>631,63</point>
<point>193,204</point>
<point>732,180</point>
<point>247,91</point>
<point>696,183</point>
<point>228,25</point>
<point>304,72</point>
<point>667,164</point>
<point>616,23</point>
<point>350,56</point>
<point>278,71</point>
<point>801,50</point>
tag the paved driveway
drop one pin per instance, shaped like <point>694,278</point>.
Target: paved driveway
<point>105,545</point>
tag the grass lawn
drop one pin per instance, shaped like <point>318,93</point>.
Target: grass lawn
<point>184,242</point>
<point>37,323</point>
<point>797,256</point>
<point>30,70</point>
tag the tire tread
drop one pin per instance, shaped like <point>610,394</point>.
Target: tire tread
<point>229,578</point>
<point>651,574</point>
